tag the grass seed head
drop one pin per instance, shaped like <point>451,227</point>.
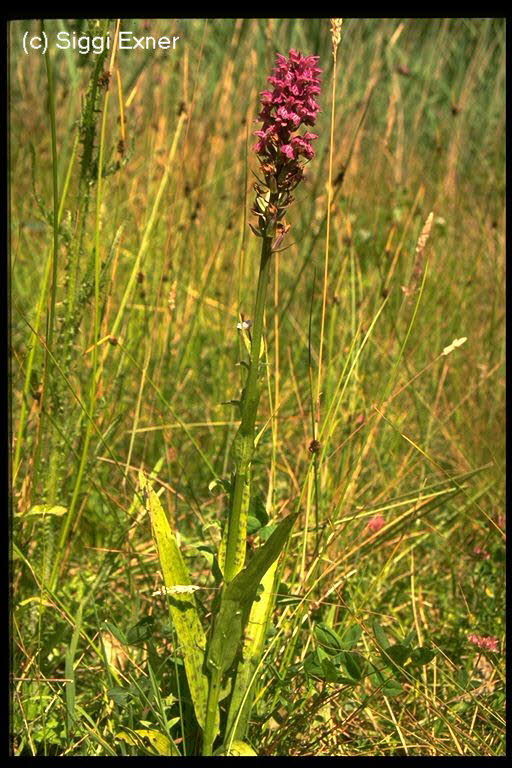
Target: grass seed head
<point>336,34</point>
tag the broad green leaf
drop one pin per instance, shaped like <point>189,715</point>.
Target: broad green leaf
<point>351,636</point>
<point>392,688</point>
<point>422,655</point>
<point>354,664</point>
<point>238,597</point>
<point>253,525</point>
<point>141,631</point>
<point>330,672</point>
<point>313,665</point>
<point>319,664</point>
<point>396,655</point>
<point>150,739</point>
<point>266,532</point>
<point>380,635</point>
<point>237,748</point>
<point>115,632</point>
<point>182,607</point>
<point>376,677</point>
<point>258,516</point>
<point>122,696</point>
<point>328,638</point>
<point>226,637</point>
<point>245,585</point>
<point>47,509</point>
<point>254,639</point>
<point>226,689</point>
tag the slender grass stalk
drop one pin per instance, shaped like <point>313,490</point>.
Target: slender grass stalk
<point>336,32</point>
<point>146,237</point>
<point>315,445</point>
<point>37,322</point>
<point>55,184</point>
<point>47,380</point>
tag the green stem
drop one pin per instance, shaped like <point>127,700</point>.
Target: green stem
<point>244,440</point>
<point>244,449</point>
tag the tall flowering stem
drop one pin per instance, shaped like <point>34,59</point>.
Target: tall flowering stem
<point>283,150</point>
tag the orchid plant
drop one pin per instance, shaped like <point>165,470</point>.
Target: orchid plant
<point>227,660</point>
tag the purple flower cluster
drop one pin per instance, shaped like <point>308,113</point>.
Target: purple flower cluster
<point>291,104</point>
<point>485,643</point>
<point>282,151</point>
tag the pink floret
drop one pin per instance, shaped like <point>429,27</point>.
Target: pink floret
<point>376,523</point>
<point>289,105</point>
<point>485,643</point>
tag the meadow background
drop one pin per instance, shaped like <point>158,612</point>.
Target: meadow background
<point>125,349</point>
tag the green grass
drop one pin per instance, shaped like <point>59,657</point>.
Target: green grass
<point>130,264</point>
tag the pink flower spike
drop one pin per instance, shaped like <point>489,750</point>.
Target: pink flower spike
<point>289,104</point>
<point>376,523</point>
<point>485,643</point>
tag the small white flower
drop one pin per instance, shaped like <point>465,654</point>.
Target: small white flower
<point>244,325</point>
<point>455,343</point>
